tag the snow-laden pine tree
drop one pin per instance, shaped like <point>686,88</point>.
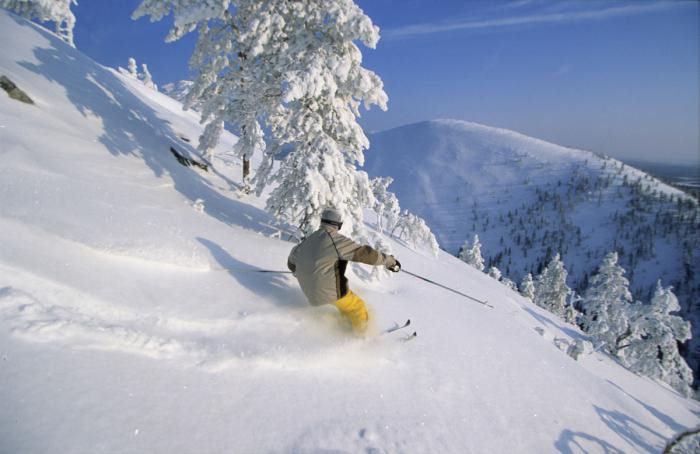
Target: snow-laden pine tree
<point>527,287</point>
<point>570,312</point>
<point>551,291</point>
<point>653,350</point>
<point>415,232</point>
<point>146,78</point>
<point>471,254</point>
<point>56,11</point>
<point>386,205</point>
<point>510,284</point>
<point>133,69</point>
<point>375,273</point>
<point>236,83</point>
<point>495,273</point>
<point>606,305</point>
<point>293,67</point>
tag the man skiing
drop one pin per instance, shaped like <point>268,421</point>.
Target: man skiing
<point>319,264</point>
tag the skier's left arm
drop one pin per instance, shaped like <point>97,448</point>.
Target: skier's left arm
<point>354,252</point>
<point>291,260</point>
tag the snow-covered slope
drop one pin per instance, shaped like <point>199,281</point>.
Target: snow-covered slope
<point>528,199</point>
<point>131,318</point>
<point>178,90</point>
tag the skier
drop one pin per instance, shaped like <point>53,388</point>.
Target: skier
<point>319,263</point>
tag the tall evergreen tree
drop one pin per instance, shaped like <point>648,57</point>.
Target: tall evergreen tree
<point>293,66</point>
<point>570,312</point>
<point>653,350</point>
<point>386,205</point>
<point>472,254</point>
<point>415,232</point>
<point>527,287</point>
<point>551,290</point>
<point>606,304</point>
<point>147,79</point>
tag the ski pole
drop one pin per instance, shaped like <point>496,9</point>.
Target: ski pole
<point>270,271</point>
<point>485,303</point>
<point>249,270</point>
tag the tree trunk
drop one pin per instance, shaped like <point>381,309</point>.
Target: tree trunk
<point>246,173</point>
<point>246,169</point>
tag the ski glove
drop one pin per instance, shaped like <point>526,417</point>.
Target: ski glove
<point>392,264</point>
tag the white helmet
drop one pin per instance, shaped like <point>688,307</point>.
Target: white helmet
<point>332,216</point>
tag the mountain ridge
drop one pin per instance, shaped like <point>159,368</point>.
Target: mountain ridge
<point>529,199</point>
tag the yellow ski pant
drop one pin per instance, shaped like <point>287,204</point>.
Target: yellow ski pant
<point>353,308</point>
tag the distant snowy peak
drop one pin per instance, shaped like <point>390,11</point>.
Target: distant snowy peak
<point>486,133</point>
<point>462,147</point>
<point>482,157</point>
<point>527,199</point>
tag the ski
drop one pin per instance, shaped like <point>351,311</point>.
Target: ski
<point>396,327</point>
<point>411,336</point>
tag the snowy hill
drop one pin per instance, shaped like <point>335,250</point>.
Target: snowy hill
<point>132,318</point>
<point>528,199</point>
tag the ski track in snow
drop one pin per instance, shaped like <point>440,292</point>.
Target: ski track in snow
<point>214,345</point>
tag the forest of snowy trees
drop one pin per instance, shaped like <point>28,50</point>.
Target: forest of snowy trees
<point>582,215</point>
<point>645,337</point>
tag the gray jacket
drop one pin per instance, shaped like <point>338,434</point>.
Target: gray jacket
<point>320,260</point>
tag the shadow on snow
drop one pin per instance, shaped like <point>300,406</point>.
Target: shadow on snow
<point>131,127</point>
<point>278,288</point>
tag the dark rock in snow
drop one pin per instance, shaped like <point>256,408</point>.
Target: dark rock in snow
<point>13,91</point>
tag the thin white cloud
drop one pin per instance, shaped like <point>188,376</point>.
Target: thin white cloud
<point>518,4</point>
<point>531,19</point>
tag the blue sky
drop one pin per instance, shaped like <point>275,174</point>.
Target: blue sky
<point>616,77</point>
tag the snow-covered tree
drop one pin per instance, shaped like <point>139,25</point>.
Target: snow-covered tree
<point>414,231</point>
<point>405,226</point>
<point>56,11</point>
<point>294,67</point>
<point>527,287</point>
<point>133,69</point>
<point>551,290</point>
<point>509,283</point>
<point>570,312</point>
<point>653,350</point>
<point>146,77</point>
<point>495,273</point>
<point>606,304</point>
<point>472,254</point>
<point>374,273</point>
<point>386,205</point>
